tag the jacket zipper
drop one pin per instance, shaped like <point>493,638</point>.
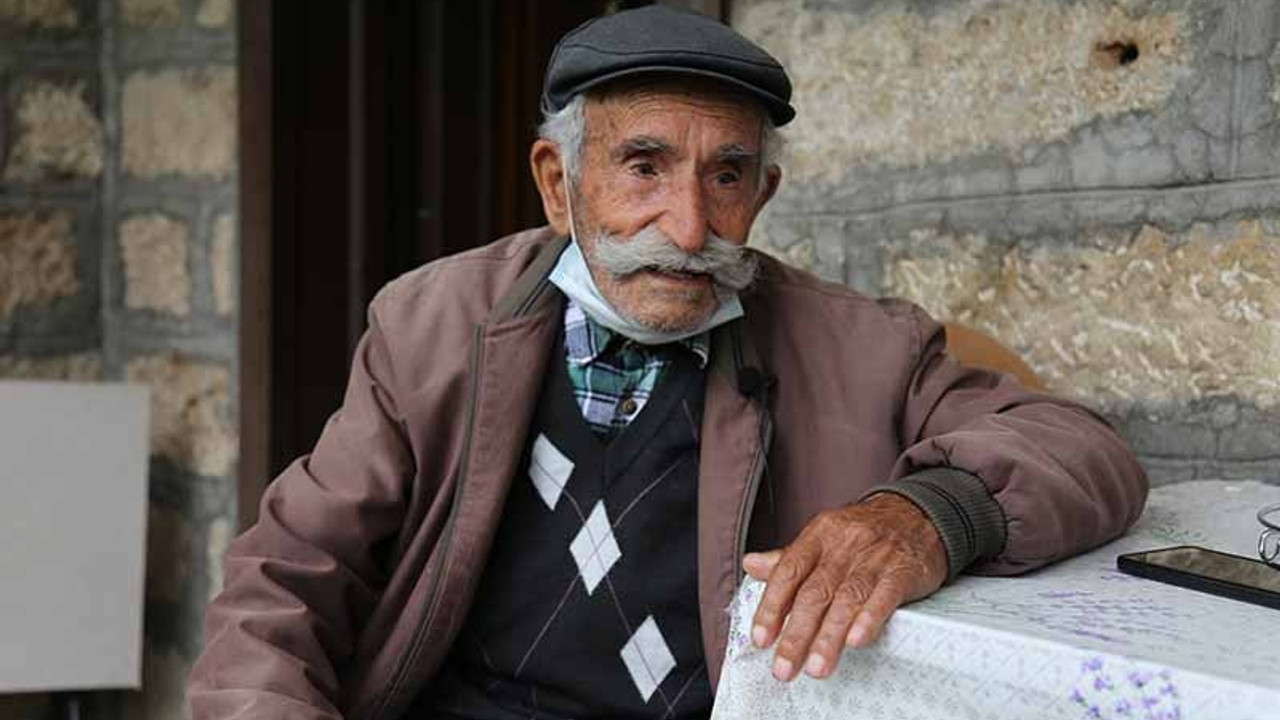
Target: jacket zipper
<point>415,645</point>
<point>753,483</point>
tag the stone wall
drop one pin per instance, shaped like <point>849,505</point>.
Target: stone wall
<point>1093,182</point>
<point>118,124</point>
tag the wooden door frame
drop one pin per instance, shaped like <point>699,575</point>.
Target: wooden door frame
<point>264,406</point>
<point>255,51</point>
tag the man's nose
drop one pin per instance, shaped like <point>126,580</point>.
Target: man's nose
<point>686,218</point>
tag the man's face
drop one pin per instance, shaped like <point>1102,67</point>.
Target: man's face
<point>680,163</point>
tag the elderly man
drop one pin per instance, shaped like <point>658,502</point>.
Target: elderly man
<point>556,451</point>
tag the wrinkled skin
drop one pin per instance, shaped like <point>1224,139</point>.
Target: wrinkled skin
<point>841,580</point>
<point>685,156</point>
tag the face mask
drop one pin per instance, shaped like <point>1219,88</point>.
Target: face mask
<point>573,277</point>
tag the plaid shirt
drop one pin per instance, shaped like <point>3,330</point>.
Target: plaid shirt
<point>613,377</point>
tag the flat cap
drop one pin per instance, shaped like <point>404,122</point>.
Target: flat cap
<point>660,39</point>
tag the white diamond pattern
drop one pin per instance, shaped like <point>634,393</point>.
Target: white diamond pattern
<point>594,549</point>
<point>549,470</point>
<point>648,658</point>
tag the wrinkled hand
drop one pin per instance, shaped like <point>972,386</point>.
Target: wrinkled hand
<point>841,580</point>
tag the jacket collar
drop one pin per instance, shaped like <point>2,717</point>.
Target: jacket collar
<point>530,291</point>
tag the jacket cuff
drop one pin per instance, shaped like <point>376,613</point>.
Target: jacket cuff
<point>969,520</point>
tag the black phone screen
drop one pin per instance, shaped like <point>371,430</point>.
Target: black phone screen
<point>1210,571</point>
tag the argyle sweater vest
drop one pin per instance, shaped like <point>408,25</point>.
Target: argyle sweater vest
<point>588,606</point>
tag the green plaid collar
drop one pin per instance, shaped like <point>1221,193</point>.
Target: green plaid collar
<point>612,377</point>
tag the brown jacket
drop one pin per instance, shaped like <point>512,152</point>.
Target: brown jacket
<point>345,597</point>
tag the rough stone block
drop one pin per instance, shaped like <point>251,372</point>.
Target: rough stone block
<point>37,261</point>
<point>1211,99</point>
<point>222,260</point>
<point>154,250</point>
<point>1267,471</point>
<point>1253,437</point>
<point>58,134</point>
<point>86,367</point>
<point>908,102</point>
<point>1152,320</point>
<point>190,405</point>
<point>1053,173</point>
<point>1245,30</point>
<point>1146,167</point>
<point>1253,79</point>
<point>1173,437</point>
<point>1161,471</point>
<point>1259,154</point>
<point>181,122</point>
<point>215,13</point>
<point>1192,152</point>
<point>151,14</point>
<point>43,14</point>
<point>903,88</point>
<point>1274,64</point>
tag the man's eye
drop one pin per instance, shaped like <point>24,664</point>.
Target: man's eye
<point>644,169</point>
<point>728,178</point>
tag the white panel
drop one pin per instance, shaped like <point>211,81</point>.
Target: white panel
<point>648,658</point>
<point>595,549</point>
<point>73,499</point>
<point>550,470</point>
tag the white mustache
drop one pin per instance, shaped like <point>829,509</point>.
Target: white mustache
<point>730,266</point>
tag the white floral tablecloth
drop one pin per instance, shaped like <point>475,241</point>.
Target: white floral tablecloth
<point>1076,640</point>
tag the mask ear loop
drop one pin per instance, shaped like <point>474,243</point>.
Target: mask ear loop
<point>568,204</point>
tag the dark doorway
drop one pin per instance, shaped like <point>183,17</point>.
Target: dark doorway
<point>376,136</point>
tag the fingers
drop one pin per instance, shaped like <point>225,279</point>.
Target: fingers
<point>889,594</point>
<point>839,582</point>
<point>807,612</point>
<point>827,642</point>
<point>827,616</point>
<point>791,570</point>
<point>760,565</point>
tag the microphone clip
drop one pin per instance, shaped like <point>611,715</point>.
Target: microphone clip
<point>755,383</point>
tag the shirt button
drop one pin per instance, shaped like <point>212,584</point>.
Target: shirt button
<point>628,406</point>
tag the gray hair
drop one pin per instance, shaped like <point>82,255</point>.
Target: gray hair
<point>567,128</point>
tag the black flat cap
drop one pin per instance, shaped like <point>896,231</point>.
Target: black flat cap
<point>659,39</point>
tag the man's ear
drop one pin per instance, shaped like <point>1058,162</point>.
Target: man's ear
<point>772,179</point>
<point>548,174</point>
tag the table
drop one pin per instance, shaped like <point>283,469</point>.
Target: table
<point>1075,640</point>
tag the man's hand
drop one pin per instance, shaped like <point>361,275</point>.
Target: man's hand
<point>842,579</point>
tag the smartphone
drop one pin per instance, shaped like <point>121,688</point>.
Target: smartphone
<point>1209,571</point>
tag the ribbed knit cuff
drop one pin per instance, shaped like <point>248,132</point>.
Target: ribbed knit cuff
<point>970,521</point>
